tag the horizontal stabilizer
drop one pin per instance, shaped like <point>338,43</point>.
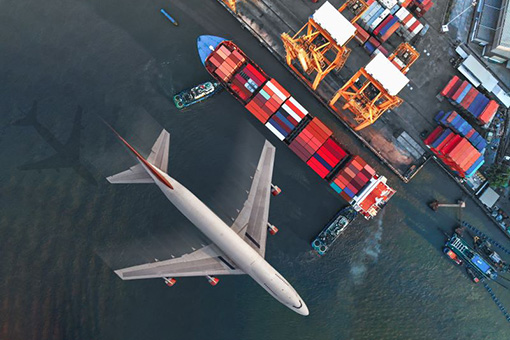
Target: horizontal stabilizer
<point>134,175</point>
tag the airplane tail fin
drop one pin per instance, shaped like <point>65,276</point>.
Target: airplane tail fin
<point>30,118</point>
<point>157,160</point>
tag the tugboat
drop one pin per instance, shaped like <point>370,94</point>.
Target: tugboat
<point>333,229</point>
<point>196,94</point>
<point>472,274</point>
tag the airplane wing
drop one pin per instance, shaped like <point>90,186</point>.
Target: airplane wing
<point>252,221</point>
<point>208,260</point>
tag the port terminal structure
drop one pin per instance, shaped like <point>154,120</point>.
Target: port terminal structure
<point>395,138</point>
<point>373,89</point>
<point>320,46</point>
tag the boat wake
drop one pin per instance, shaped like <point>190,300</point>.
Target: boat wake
<point>370,253</point>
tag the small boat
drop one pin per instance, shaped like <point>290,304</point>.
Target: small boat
<point>169,17</point>
<point>196,94</point>
<point>333,230</point>
<point>472,274</point>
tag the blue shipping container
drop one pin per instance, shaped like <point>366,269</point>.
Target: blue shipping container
<point>278,127</point>
<point>335,187</point>
<point>463,94</point>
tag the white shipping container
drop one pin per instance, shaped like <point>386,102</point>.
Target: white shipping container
<point>402,13</point>
<point>298,106</point>
<point>275,90</point>
<point>380,19</point>
<point>410,22</point>
<point>418,29</point>
<point>372,12</point>
<point>275,131</point>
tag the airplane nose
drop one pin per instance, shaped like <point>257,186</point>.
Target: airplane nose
<point>303,310</point>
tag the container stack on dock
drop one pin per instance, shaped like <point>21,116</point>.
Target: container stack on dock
<point>420,7</point>
<point>307,136</point>
<point>455,151</point>
<point>385,17</point>
<point>460,126</point>
<point>469,100</point>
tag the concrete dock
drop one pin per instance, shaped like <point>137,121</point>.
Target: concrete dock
<point>391,136</point>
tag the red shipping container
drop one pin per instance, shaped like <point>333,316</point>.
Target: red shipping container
<point>374,42</point>
<point>238,55</point>
<point>256,73</point>
<point>413,26</point>
<point>324,154</point>
<point>382,24</point>
<point>459,90</point>
<point>450,85</point>
<point>390,32</point>
<point>468,99</point>
<point>318,167</point>
<point>361,35</point>
<point>489,112</point>
<point>450,145</point>
<point>433,135</point>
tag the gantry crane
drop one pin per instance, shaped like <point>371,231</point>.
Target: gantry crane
<point>373,89</point>
<point>320,45</point>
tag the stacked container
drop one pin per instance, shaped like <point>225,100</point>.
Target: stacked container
<point>247,81</point>
<point>389,25</point>
<point>267,101</point>
<point>410,26</point>
<point>327,157</point>
<point>352,178</point>
<point>460,126</point>
<point>226,62</point>
<point>467,98</point>
<point>307,137</point>
<point>361,35</point>
<point>420,7</point>
<point>310,139</point>
<point>455,151</point>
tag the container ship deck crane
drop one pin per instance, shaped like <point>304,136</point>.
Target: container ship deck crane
<point>373,89</point>
<point>319,47</point>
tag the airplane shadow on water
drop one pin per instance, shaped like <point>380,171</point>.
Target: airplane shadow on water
<point>68,153</point>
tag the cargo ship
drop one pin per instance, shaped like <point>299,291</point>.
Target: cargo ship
<point>471,258</point>
<point>333,229</point>
<point>196,94</point>
<point>307,136</point>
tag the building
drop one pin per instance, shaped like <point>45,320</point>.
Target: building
<point>491,29</point>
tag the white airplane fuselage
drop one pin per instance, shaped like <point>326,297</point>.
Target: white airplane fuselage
<point>228,241</point>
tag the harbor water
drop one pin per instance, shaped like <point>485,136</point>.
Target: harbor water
<point>62,232</point>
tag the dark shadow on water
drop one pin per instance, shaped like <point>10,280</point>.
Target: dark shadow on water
<point>68,153</point>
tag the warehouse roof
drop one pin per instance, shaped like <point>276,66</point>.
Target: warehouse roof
<point>489,197</point>
<point>333,22</point>
<point>387,74</point>
<point>475,68</point>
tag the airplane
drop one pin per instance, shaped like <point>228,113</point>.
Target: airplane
<point>68,153</point>
<point>235,250</point>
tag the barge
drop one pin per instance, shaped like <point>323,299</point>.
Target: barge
<point>479,266</point>
<point>333,230</point>
<point>307,136</point>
